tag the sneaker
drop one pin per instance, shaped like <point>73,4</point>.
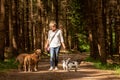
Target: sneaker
<point>51,68</point>
<point>56,68</point>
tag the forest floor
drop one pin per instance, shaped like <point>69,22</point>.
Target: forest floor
<point>86,71</point>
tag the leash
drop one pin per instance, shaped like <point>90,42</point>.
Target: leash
<point>65,54</point>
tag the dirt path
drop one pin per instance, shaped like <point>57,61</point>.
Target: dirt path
<point>86,71</point>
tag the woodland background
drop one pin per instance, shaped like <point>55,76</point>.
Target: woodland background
<point>87,25</point>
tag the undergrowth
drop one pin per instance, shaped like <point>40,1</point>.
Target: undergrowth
<point>107,66</point>
<point>8,64</point>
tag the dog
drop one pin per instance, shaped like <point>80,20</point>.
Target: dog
<point>64,64</point>
<point>20,60</point>
<point>31,61</point>
<point>68,64</point>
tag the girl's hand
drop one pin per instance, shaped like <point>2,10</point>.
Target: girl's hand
<point>63,45</point>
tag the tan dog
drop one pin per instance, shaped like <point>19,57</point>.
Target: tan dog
<point>31,61</point>
<point>20,60</point>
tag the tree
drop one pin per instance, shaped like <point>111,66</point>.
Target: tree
<point>2,29</point>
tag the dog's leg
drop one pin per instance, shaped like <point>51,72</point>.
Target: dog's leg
<point>75,69</point>
<point>29,66</point>
<point>19,67</point>
<point>25,64</point>
<point>64,68</point>
<point>35,67</point>
<point>76,66</point>
<point>25,68</point>
<point>68,69</point>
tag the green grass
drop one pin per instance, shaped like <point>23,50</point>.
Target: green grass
<point>118,71</point>
<point>8,64</point>
<point>107,66</point>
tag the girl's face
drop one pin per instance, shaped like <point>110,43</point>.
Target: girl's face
<point>53,28</point>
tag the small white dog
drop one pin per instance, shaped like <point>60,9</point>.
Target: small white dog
<point>65,62</point>
<point>68,64</point>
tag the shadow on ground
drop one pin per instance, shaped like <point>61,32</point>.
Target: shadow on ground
<point>85,72</point>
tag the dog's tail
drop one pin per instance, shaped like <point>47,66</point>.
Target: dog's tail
<point>16,60</point>
<point>67,61</point>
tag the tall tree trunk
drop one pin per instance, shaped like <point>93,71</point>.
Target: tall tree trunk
<point>15,27</point>
<point>92,28</point>
<point>7,24</point>
<point>101,32</point>
<point>2,29</point>
<point>56,11</point>
<point>21,14</point>
<point>30,24</point>
<point>117,29</point>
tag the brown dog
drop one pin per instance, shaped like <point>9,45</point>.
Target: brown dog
<point>31,61</point>
<point>20,60</point>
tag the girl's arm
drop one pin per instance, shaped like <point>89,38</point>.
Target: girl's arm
<point>62,40</point>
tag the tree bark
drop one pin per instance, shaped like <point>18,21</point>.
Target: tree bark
<point>101,32</point>
<point>2,29</point>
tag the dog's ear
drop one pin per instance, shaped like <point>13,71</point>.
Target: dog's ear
<point>68,59</point>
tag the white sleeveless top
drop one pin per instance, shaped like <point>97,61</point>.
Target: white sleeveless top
<point>58,38</point>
